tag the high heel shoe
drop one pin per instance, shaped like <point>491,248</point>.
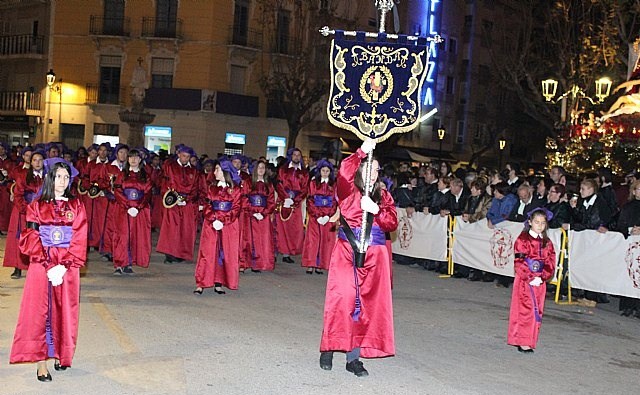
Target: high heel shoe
<point>57,366</point>
<point>198,291</point>
<point>44,377</point>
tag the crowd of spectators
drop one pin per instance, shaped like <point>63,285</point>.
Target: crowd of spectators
<point>596,201</point>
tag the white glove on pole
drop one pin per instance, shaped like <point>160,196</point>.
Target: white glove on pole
<point>323,220</point>
<point>288,202</point>
<point>182,203</point>
<point>369,205</point>
<point>200,207</point>
<point>536,282</point>
<point>5,173</point>
<point>132,211</point>
<point>368,145</point>
<point>258,216</point>
<point>55,274</point>
<point>217,225</point>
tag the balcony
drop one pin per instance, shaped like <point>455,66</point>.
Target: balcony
<point>161,28</point>
<point>20,103</point>
<point>116,27</point>
<point>94,95</point>
<point>21,46</point>
<point>286,45</point>
<point>245,37</point>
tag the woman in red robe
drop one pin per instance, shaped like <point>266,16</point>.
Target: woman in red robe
<point>132,190</point>
<point>218,257</point>
<point>27,186</point>
<point>321,234</point>
<point>258,203</point>
<point>358,312</point>
<point>6,167</point>
<point>56,242</point>
<point>535,263</point>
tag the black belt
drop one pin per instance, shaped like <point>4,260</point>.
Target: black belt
<point>351,237</point>
<point>33,225</point>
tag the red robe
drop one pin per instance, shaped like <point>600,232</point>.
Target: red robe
<point>29,341</point>
<point>289,226</point>
<point>18,223</point>
<point>133,242</point>
<point>111,226</point>
<point>98,174</point>
<point>218,256</point>
<point>523,326</point>
<point>373,332</point>
<point>258,248</point>
<point>320,239</point>
<point>5,202</point>
<point>157,209</point>
<point>178,232</point>
<point>82,165</point>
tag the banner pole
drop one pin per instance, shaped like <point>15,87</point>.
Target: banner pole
<point>450,224</point>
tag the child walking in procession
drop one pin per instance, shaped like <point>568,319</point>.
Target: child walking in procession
<point>535,262</point>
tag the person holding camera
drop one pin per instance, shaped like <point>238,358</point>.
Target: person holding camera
<point>358,312</point>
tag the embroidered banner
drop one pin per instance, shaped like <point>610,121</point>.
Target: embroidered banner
<point>421,236</point>
<point>376,86</point>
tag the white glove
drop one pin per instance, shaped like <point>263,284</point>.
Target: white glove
<point>536,282</point>
<point>55,274</point>
<point>369,205</point>
<point>323,220</point>
<point>217,225</point>
<point>368,145</point>
<point>101,194</point>
<point>288,202</point>
<point>200,207</point>
<point>5,173</point>
<point>258,216</point>
<point>11,200</point>
<point>182,203</point>
<point>132,211</point>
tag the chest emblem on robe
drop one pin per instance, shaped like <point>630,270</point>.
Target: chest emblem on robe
<point>69,216</point>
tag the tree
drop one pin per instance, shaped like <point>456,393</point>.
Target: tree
<point>295,75</point>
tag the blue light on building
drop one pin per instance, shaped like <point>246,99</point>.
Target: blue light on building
<point>430,15</point>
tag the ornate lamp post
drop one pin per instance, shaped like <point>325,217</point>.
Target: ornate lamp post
<point>441,133</point>
<point>54,87</point>
<point>550,86</point>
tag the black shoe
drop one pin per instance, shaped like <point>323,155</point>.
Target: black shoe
<point>255,271</point>
<point>117,272</point>
<point>57,366</point>
<point>318,271</point>
<point>217,288</point>
<point>287,259</point>
<point>168,261</point>
<point>45,377</point>
<point>356,367</point>
<point>522,350</point>
<point>128,270</point>
<point>326,360</point>
<point>17,273</point>
<point>309,271</point>
<point>198,291</point>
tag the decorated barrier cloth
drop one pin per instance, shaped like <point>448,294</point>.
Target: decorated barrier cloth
<point>606,263</point>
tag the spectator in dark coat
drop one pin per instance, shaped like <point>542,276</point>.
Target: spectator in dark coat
<point>525,204</point>
<point>501,205</point>
<point>560,209</point>
<point>439,200</point>
<point>456,199</point>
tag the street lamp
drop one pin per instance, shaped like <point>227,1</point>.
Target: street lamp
<point>550,86</point>
<point>441,133</point>
<point>53,87</point>
<point>501,144</point>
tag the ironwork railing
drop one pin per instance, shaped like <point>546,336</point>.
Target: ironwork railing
<point>19,101</point>
<point>23,44</point>
<point>161,28</point>
<point>93,95</point>
<point>244,37</point>
<point>101,26</point>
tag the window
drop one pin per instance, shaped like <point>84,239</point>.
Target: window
<point>450,85</point>
<point>162,73</point>
<point>282,32</point>
<point>237,79</point>
<point>166,18</point>
<point>241,22</point>
<point>453,46</point>
<point>113,17</point>
<point>109,91</point>
<point>106,129</point>
<point>460,133</point>
<point>324,5</point>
